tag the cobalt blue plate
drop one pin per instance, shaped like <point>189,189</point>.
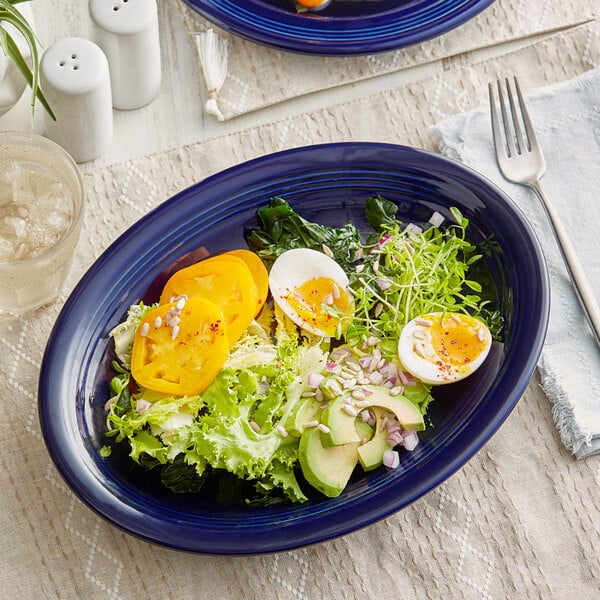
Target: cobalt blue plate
<point>346,27</point>
<point>328,184</point>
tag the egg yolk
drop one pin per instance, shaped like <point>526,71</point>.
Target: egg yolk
<point>310,299</point>
<point>456,339</point>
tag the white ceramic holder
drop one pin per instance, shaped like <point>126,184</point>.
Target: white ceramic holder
<point>75,79</point>
<point>127,31</point>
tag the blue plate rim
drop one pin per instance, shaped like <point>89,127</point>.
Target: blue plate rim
<point>77,465</point>
<point>388,30</point>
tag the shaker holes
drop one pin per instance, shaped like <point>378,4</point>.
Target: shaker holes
<point>63,63</point>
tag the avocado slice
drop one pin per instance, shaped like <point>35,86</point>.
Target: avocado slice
<point>370,455</point>
<point>407,413</point>
<point>364,430</point>
<point>342,429</point>
<point>326,469</point>
<point>304,412</point>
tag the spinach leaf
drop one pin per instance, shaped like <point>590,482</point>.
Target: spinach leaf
<point>181,477</point>
<point>380,212</point>
<point>282,228</point>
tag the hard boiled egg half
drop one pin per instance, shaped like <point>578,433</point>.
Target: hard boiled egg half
<point>440,348</point>
<point>311,289</point>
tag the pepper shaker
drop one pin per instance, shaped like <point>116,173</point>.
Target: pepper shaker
<point>74,76</point>
<point>127,31</point>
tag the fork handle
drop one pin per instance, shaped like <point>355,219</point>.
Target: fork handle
<point>580,282</point>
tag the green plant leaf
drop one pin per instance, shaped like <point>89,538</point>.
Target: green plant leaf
<point>9,14</point>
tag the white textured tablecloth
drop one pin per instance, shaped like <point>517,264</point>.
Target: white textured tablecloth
<point>259,76</point>
<point>520,520</point>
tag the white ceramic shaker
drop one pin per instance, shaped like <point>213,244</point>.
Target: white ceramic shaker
<point>75,79</point>
<point>127,31</point>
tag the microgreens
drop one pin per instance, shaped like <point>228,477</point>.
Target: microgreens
<point>405,274</point>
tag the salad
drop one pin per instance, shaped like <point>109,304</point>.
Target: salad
<point>269,374</point>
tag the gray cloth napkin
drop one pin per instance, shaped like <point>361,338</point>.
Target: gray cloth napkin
<point>567,121</point>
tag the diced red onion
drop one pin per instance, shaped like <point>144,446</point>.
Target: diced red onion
<point>376,378</point>
<point>383,422</point>
<point>395,438</point>
<point>413,228</point>
<point>368,417</point>
<point>392,425</point>
<point>387,369</point>
<point>365,361</point>
<point>333,367</point>
<point>383,240</point>
<point>436,219</point>
<point>391,459</point>
<point>411,440</point>
<point>340,353</point>
<point>406,378</point>
<point>315,380</point>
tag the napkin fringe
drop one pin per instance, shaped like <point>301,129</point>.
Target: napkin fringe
<point>213,51</point>
<point>575,440</point>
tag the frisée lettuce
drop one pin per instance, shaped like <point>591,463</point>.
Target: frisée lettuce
<point>233,426</point>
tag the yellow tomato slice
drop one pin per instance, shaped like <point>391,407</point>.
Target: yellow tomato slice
<point>179,350</point>
<point>257,269</point>
<point>224,280</point>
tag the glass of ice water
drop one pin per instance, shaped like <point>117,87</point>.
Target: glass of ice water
<point>41,211</point>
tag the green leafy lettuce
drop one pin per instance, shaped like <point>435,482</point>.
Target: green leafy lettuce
<point>230,427</point>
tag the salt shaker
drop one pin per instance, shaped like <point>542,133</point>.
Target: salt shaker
<point>75,79</point>
<point>127,31</point>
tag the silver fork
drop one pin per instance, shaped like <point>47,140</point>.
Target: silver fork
<point>521,160</point>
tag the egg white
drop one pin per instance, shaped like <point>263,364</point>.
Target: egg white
<point>418,355</point>
<point>294,268</point>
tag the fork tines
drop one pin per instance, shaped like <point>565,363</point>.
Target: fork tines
<point>516,139</point>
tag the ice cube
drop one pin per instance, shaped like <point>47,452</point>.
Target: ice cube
<point>34,179</point>
<point>57,222</point>
<point>21,251</point>
<point>7,250</point>
<point>18,227</point>
<point>58,201</point>
<point>38,237</point>
<point>8,183</point>
<point>23,198</point>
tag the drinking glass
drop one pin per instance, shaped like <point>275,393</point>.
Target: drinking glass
<point>41,212</point>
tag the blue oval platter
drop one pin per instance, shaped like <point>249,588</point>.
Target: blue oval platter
<point>328,184</point>
<point>345,27</point>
